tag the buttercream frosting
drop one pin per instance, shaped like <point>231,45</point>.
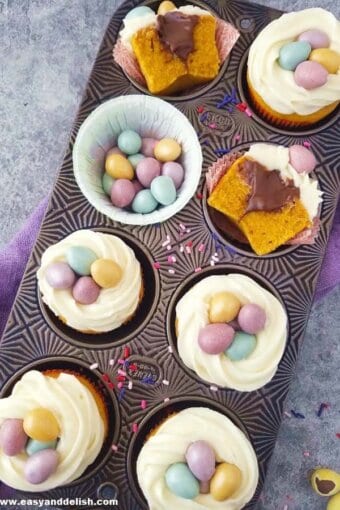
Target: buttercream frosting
<point>277,86</point>
<point>169,444</point>
<point>192,313</point>
<point>115,305</point>
<point>82,428</point>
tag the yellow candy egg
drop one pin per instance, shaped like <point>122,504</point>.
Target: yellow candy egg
<point>165,7</point>
<point>225,481</point>
<point>325,482</point>
<point>119,167</point>
<point>106,273</point>
<point>334,502</point>
<point>224,307</point>
<point>167,149</point>
<point>40,424</point>
<point>329,59</point>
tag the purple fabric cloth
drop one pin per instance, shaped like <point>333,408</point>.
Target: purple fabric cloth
<point>14,256</point>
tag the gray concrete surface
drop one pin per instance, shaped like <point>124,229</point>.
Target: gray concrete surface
<point>47,48</point>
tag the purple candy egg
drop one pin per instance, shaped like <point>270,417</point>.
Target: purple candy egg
<point>148,145</point>
<point>60,276</point>
<point>251,318</point>
<point>12,437</point>
<point>316,38</point>
<point>302,159</point>
<point>122,193</point>
<point>40,466</point>
<point>115,150</point>
<point>215,338</point>
<point>310,75</point>
<point>200,458</point>
<point>147,170</point>
<point>137,185</point>
<point>205,487</point>
<point>175,171</point>
<point>86,291</point>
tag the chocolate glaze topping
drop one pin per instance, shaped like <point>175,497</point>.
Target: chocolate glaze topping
<point>268,190</point>
<point>324,486</point>
<point>175,30</point>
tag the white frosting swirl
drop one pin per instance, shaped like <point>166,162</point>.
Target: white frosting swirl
<point>169,445</point>
<point>277,86</point>
<point>192,313</point>
<point>81,426</point>
<point>114,305</point>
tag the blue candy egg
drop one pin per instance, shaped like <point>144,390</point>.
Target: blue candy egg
<point>292,54</point>
<point>144,202</point>
<point>181,481</point>
<point>107,183</point>
<point>163,189</point>
<point>135,159</point>
<point>34,446</point>
<point>129,142</point>
<point>80,259</point>
<point>242,346</point>
<point>137,12</point>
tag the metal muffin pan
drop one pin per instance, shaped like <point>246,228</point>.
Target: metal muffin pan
<point>33,336</point>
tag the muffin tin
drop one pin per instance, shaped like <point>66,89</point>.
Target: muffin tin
<point>35,339</point>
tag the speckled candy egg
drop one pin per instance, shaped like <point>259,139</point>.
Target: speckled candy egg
<point>34,446</point>
<point>167,149</point>
<point>148,146</point>
<point>163,189</point>
<point>175,171</point>
<point>293,53</point>
<point>251,318</point>
<point>40,466</point>
<point>302,159</point>
<point>316,38</point>
<point>106,273</point>
<point>12,437</point>
<point>147,169</point>
<point>328,58</point>
<point>200,458</point>
<point>59,275</point>
<point>138,12</point>
<point>80,259</point>
<point>242,346</point>
<point>225,482</point>
<point>85,291</point>
<point>123,192</point>
<point>129,142</point>
<point>41,424</point>
<point>310,75</point>
<point>107,183</point>
<point>165,7</point>
<point>144,202</point>
<point>119,167</point>
<point>224,307</point>
<point>181,481</point>
<point>215,338</point>
<point>334,502</point>
<point>135,159</point>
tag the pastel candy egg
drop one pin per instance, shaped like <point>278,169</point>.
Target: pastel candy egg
<point>119,167</point>
<point>251,318</point>
<point>316,38</point>
<point>122,193</point>
<point>129,142</point>
<point>147,169</point>
<point>163,189</point>
<point>325,482</point>
<point>59,275</point>
<point>310,75</point>
<point>12,436</point>
<point>148,146</point>
<point>144,202</point>
<point>114,150</point>
<point>334,502</point>
<point>41,424</point>
<point>106,273</point>
<point>302,159</point>
<point>175,171</point>
<point>205,487</point>
<point>137,185</point>
<point>107,183</point>
<point>165,7</point>
<point>138,12</point>
<point>181,481</point>
<point>215,338</point>
<point>34,446</point>
<point>293,53</point>
<point>242,346</point>
<point>85,291</point>
<point>40,466</point>
<point>135,159</point>
<point>329,59</point>
<point>80,258</point>
<point>225,482</point>
<point>224,307</point>
<point>200,458</point>
<point>167,149</point>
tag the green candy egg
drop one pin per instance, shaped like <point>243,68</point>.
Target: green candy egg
<point>138,12</point>
<point>135,159</point>
<point>241,347</point>
<point>181,481</point>
<point>107,183</point>
<point>163,189</point>
<point>80,259</point>
<point>144,202</point>
<point>34,446</point>
<point>292,54</point>
<point>129,142</point>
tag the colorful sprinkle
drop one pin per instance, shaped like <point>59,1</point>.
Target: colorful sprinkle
<point>212,125</point>
<point>170,349</point>
<point>203,117</point>
<point>213,388</point>
<point>166,382</point>
<point>135,427</point>
<point>166,242</point>
<point>201,248</point>
<point>287,414</point>
<point>322,407</point>
<point>121,372</point>
<point>166,399</point>
<point>221,152</point>
<point>197,269</point>
<point>94,366</point>
<point>171,271</point>
<point>105,378</point>
<point>110,385</point>
<point>248,112</point>
<point>297,415</point>
<point>306,454</point>
<point>199,196</point>
<point>200,109</point>
<point>120,385</point>
<point>156,265</point>
<point>114,447</point>
<point>132,367</point>
<point>171,259</point>
<point>338,435</point>
<point>241,107</point>
<point>130,385</point>
<point>111,362</point>
<point>307,144</point>
<point>126,352</point>
<point>121,394</point>
<point>143,404</point>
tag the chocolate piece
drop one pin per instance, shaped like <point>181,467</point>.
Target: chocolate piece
<point>324,486</point>
<point>175,30</point>
<point>269,192</point>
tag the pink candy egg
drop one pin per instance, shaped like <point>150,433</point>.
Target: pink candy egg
<point>215,338</point>
<point>12,437</point>
<point>200,458</point>
<point>310,75</point>
<point>251,318</point>
<point>137,185</point>
<point>175,171</point>
<point>40,466</point>
<point>60,276</point>
<point>148,145</point>
<point>316,38</point>
<point>147,169</point>
<point>122,193</point>
<point>302,159</point>
<point>86,291</point>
